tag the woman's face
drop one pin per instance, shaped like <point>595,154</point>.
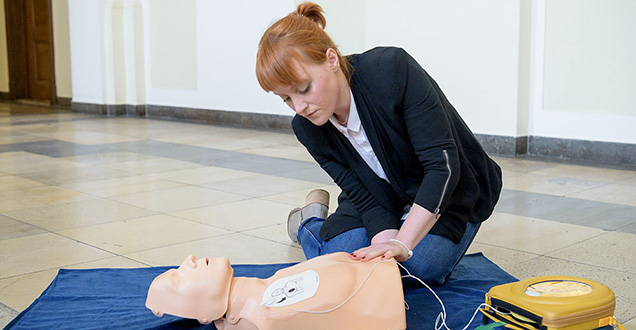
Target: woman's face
<point>319,94</point>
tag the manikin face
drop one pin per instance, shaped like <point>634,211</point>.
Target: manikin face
<point>320,92</point>
<point>198,289</point>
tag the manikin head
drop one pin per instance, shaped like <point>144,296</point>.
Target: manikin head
<point>198,289</point>
<point>299,62</point>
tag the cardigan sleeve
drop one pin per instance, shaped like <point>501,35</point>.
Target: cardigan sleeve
<point>429,130</point>
<point>375,217</point>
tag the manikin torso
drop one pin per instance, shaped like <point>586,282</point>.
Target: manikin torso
<point>327,292</point>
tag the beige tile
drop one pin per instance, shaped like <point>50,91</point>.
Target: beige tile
<point>203,175</point>
<point>85,137</point>
<point>35,197</point>
<point>11,182</point>
<point>28,163</point>
<point>122,186</point>
<point>276,233</point>
<point>531,235</point>
<point>20,291</point>
<point>178,199</point>
<point>239,248</point>
<point>546,184</point>
<point>19,138</point>
<point>261,185</point>
<point>45,251</point>
<point>521,165</point>
<point>78,214</point>
<point>239,215</point>
<point>629,325</point>
<point>232,144</point>
<point>616,193</point>
<point>85,173</point>
<point>10,228</point>
<point>114,262</point>
<point>140,234</point>
<point>109,158</point>
<point>502,257</point>
<point>154,165</point>
<point>621,283</point>
<point>297,198</point>
<point>604,250</point>
<point>586,173</point>
<point>281,151</point>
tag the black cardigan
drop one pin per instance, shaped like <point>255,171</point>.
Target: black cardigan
<point>429,155</point>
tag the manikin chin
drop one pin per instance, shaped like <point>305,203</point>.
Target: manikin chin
<point>327,292</point>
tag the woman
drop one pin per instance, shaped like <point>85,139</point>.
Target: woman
<point>415,181</point>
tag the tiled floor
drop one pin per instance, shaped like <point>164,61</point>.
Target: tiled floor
<point>82,191</point>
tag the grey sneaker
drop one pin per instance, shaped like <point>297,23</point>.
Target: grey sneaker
<point>316,205</point>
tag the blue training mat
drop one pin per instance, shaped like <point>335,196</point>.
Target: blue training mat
<point>115,298</point>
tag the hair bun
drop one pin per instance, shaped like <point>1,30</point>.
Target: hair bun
<point>312,11</point>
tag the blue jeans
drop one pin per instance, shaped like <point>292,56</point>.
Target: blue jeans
<point>433,261</point>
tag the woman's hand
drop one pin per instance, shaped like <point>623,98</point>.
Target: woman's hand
<point>383,250</point>
<point>382,247</point>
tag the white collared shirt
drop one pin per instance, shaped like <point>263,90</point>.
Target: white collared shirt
<point>358,138</point>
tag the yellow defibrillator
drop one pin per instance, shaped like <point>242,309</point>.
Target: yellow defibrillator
<point>552,303</point>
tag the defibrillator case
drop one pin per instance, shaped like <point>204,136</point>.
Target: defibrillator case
<point>554,303</point>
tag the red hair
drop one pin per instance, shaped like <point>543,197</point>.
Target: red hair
<point>296,37</point>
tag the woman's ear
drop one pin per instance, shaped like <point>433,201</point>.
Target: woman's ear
<point>332,59</point>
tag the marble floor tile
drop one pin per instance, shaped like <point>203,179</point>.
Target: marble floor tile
<point>113,262</point>
<point>74,175</point>
<point>109,158</point>
<point>240,215</point>
<point>153,165</point>
<point>123,186</point>
<point>628,229</point>
<point>520,165</point>
<point>260,185</point>
<point>10,228</point>
<point>141,234</point>
<point>613,250</point>
<point>203,175</point>
<point>621,283</point>
<point>281,151</point>
<point>36,197</point>
<point>587,173</point>
<point>615,193</point>
<point>531,235</point>
<point>503,257</point>
<point>238,248</point>
<point>31,163</point>
<point>578,211</point>
<point>276,233</point>
<point>178,199</point>
<point>297,198</point>
<point>19,292</point>
<point>78,214</point>
<point>630,325</point>
<point>41,252</point>
<point>12,182</point>
<point>546,184</point>
<point>7,314</point>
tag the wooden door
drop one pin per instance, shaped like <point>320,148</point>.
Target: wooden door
<point>30,48</point>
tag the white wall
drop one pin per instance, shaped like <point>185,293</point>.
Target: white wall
<point>61,48</point>
<point>86,51</point>
<point>470,47</point>
<point>589,72</point>
<point>487,55</point>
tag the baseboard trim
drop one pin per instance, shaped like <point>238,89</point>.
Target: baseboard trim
<point>593,152</point>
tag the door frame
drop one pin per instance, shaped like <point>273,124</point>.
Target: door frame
<point>15,17</point>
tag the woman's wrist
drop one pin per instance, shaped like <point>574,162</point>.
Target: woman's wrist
<point>409,252</point>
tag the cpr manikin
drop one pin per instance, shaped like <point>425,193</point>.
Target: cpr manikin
<point>326,292</point>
